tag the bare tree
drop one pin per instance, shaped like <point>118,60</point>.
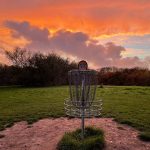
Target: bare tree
<point>19,57</point>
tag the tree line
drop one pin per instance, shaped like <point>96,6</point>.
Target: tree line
<point>47,70</point>
<point>35,69</point>
<point>124,76</point>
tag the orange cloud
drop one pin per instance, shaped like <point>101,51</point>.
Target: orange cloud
<point>92,17</point>
<point>76,44</point>
<point>102,21</point>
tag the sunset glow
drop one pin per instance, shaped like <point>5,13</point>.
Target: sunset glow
<point>117,32</point>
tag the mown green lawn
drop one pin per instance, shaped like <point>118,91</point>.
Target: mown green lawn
<point>127,104</point>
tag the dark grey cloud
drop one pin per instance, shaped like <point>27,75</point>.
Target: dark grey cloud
<point>73,43</point>
<point>30,33</point>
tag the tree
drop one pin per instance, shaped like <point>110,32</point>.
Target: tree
<point>38,69</point>
<point>126,76</point>
<point>19,57</point>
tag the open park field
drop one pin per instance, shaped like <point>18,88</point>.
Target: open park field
<point>126,104</point>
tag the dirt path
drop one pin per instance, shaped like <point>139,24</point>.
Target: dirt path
<point>44,134</point>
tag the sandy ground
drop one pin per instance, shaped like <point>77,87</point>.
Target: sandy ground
<point>45,134</point>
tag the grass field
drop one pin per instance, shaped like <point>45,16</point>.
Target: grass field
<point>127,104</point>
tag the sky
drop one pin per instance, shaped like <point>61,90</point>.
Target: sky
<point>102,32</point>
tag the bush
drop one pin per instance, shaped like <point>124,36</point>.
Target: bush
<point>35,69</point>
<point>93,140</point>
<point>124,76</point>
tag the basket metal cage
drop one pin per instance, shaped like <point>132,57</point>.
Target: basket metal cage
<point>82,87</point>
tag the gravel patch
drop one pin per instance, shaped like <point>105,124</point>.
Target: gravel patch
<point>45,134</point>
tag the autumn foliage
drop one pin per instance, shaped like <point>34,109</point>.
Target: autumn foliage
<point>127,76</point>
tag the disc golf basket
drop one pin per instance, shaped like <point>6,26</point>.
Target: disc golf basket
<point>82,85</point>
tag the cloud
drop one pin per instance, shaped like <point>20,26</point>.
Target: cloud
<point>138,45</point>
<point>77,44</point>
<point>30,33</point>
<point>92,17</point>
